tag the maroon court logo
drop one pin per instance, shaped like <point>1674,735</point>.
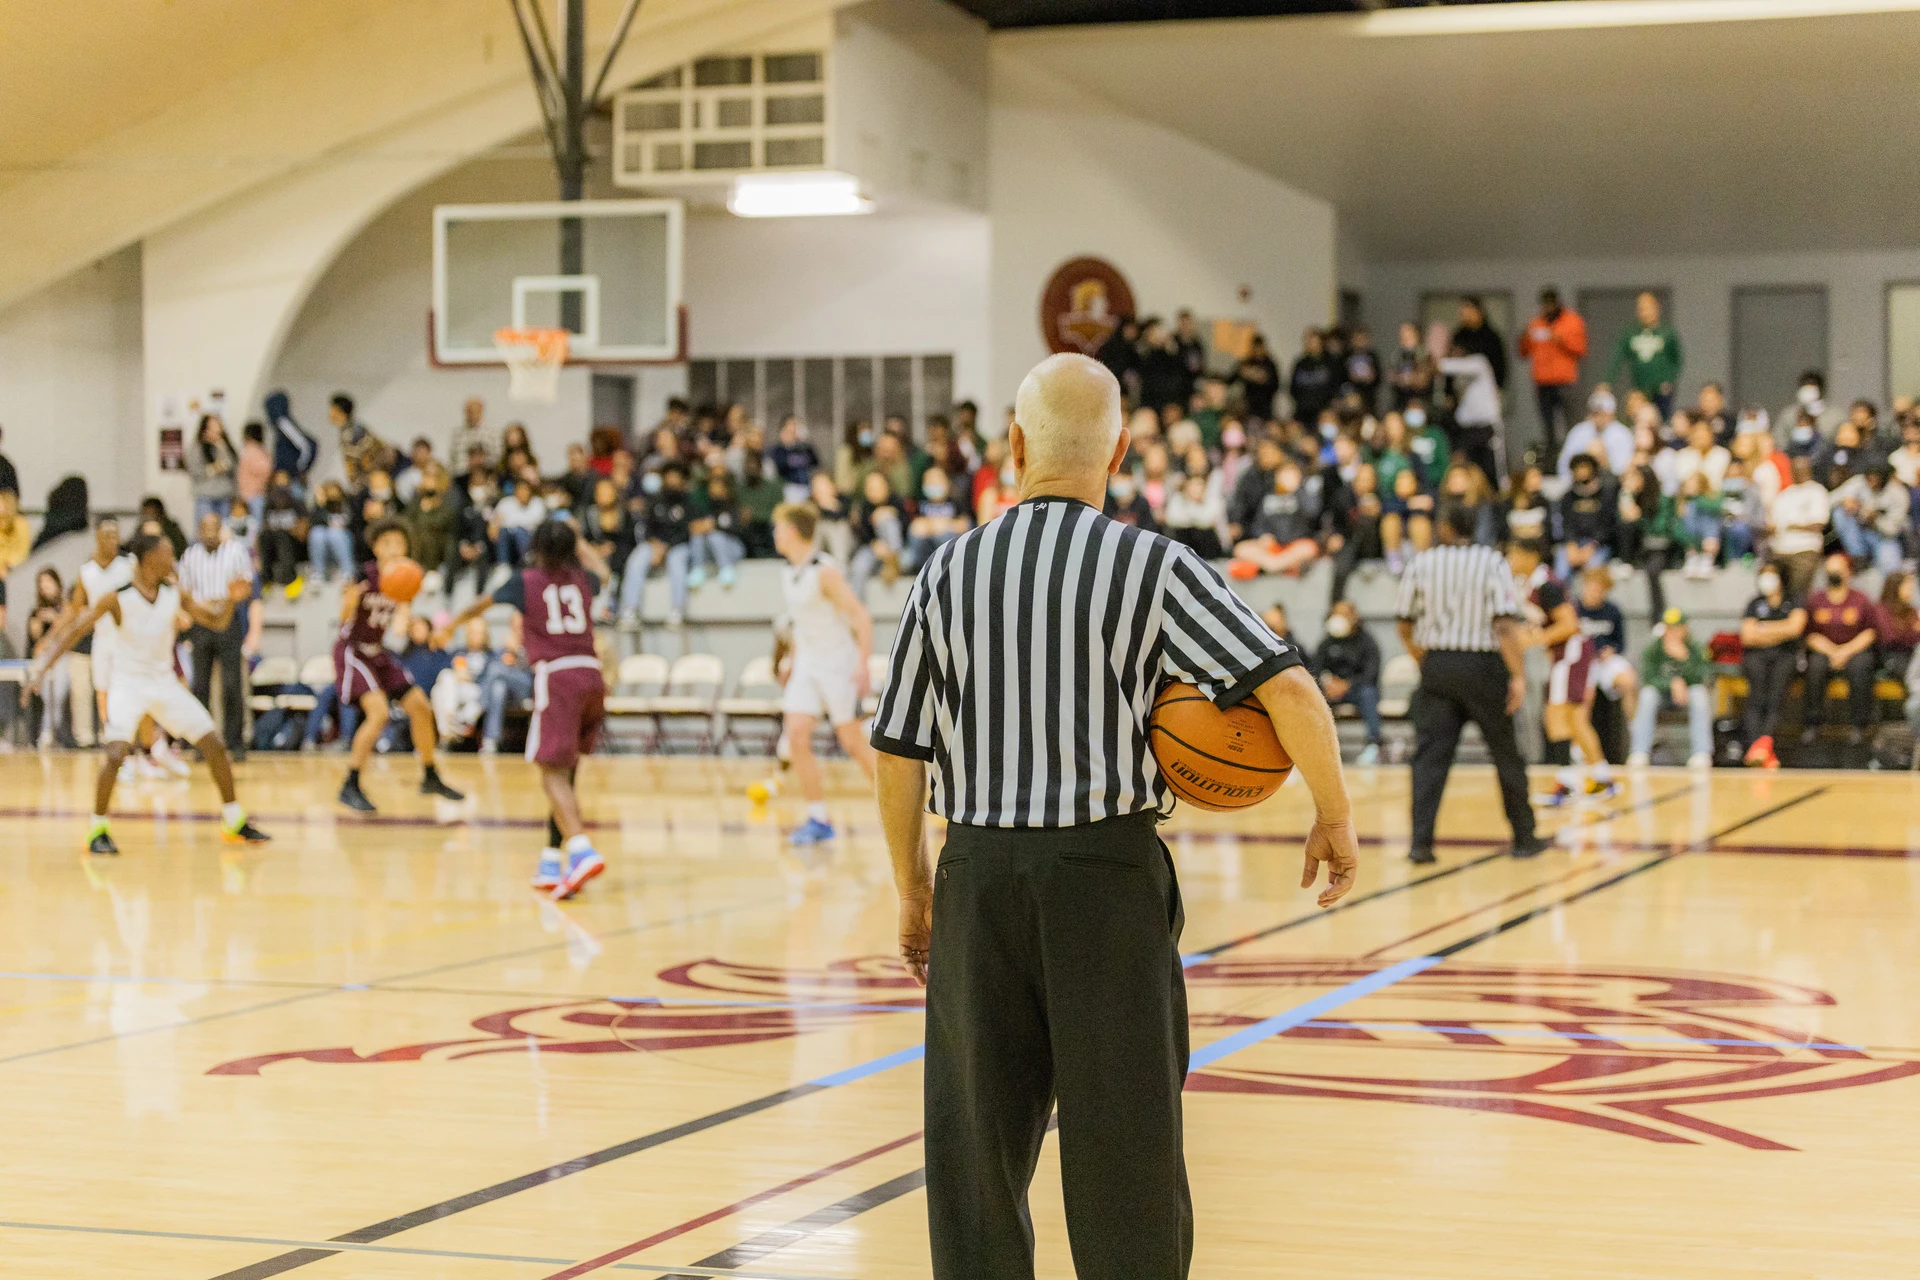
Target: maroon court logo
<point>1639,1053</point>
<point>1083,304</point>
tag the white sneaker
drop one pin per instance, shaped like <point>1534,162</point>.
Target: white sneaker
<point>1700,760</point>
<point>1369,755</point>
<point>1639,760</point>
<point>492,748</point>
<point>675,619</point>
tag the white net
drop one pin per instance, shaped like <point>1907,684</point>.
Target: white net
<point>534,359</point>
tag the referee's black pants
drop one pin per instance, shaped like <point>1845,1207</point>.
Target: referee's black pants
<point>222,650</point>
<point>1055,976</point>
<point>1457,686</point>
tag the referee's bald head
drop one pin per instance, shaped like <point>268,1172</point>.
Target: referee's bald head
<point>1068,413</point>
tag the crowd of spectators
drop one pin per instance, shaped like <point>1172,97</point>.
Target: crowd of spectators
<point>1345,454</point>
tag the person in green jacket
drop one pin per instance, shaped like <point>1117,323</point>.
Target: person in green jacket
<point>1651,353</point>
<point>1673,673</point>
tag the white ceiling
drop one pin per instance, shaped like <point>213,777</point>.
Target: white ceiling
<point>1450,133</point>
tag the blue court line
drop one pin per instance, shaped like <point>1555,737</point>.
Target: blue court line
<point>1307,1011</point>
<point>1587,1035</point>
<point>911,1054</point>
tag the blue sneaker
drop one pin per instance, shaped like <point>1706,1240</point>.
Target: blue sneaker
<point>696,576</point>
<point>813,831</point>
<point>581,867</point>
<point>726,577</point>
<point>549,873</point>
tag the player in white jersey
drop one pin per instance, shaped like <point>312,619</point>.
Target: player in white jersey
<point>146,614</point>
<point>102,574</point>
<point>827,672</point>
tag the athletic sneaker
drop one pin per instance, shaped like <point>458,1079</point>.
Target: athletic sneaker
<point>1699,760</point>
<point>353,797</point>
<point>1760,755</point>
<point>581,867</point>
<point>727,577</point>
<point>245,833</point>
<point>548,873</point>
<point>1598,790</point>
<point>102,843</point>
<point>1555,796</point>
<point>1369,755</point>
<point>1532,848</point>
<point>812,831</point>
<point>696,577</point>
<point>431,785</point>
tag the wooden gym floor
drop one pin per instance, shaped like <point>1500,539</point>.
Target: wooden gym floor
<point>1686,1047</point>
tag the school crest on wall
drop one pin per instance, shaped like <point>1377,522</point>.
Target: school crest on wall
<point>1083,304</point>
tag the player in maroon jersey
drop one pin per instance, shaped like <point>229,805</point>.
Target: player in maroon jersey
<point>1570,685</point>
<point>554,596</point>
<point>370,677</point>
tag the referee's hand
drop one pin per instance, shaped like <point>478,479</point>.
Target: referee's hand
<point>916,931</point>
<point>1334,844</point>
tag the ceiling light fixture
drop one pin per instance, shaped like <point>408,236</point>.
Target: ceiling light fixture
<point>796,195</point>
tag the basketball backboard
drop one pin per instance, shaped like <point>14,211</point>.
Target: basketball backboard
<point>499,266</point>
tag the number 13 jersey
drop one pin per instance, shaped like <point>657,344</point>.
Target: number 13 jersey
<point>557,611</point>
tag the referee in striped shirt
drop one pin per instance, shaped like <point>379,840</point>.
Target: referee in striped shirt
<point>1022,677</point>
<point>207,573</point>
<point>1459,618</point>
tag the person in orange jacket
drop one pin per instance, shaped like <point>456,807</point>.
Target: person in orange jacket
<point>1554,341</point>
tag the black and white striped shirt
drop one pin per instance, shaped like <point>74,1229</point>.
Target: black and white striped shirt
<point>1452,595</point>
<point>1029,655</point>
<point>206,575</point>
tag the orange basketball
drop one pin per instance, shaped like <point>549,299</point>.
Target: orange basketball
<point>400,580</point>
<point>1216,759</point>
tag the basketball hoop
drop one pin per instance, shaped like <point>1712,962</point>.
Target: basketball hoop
<point>534,358</point>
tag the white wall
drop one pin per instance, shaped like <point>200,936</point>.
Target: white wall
<point>1072,175</point>
<point>70,380</point>
<point>1702,303</point>
<point>881,284</point>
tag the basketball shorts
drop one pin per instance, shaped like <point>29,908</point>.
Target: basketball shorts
<point>359,674</point>
<point>569,710</point>
<point>824,690</point>
<point>1608,673</point>
<point>1571,674</point>
<point>103,651</point>
<point>132,697</point>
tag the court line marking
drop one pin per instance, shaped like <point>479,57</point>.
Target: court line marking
<point>693,1224</point>
<point>1629,1038</point>
<point>393,1226</point>
<point>1422,963</point>
<point>330,1248</point>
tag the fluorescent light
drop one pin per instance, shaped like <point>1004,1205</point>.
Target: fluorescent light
<point>796,195</point>
<point>1561,15</point>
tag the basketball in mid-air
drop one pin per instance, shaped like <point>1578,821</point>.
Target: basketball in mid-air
<point>400,579</point>
<point>1216,759</point>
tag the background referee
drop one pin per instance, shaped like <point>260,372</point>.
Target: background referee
<point>1459,618</point>
<point>1022,677</point>
<point>207,573</point>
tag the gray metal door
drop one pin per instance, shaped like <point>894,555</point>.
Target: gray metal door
<point>613,402</point>
<point>1610,313</point>
<point>1779,332</point>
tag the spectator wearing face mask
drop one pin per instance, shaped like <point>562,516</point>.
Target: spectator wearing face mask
<point>1347,667</point>
<point>330,533</point>
<point>1809,399</point>
<point>473,538</point>
<point>854,458</point>
<point>431,519</point>
<point>1282,535</point>
<point>1128,504</point>
<point>938,518</point>
<point>759,494</point>
<point>1600,433</point>
<point>1770,635</point>
<point>1427,442</point>
<point>794,459</point>
<point>1840,636</point>
<point>1196,513</point>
